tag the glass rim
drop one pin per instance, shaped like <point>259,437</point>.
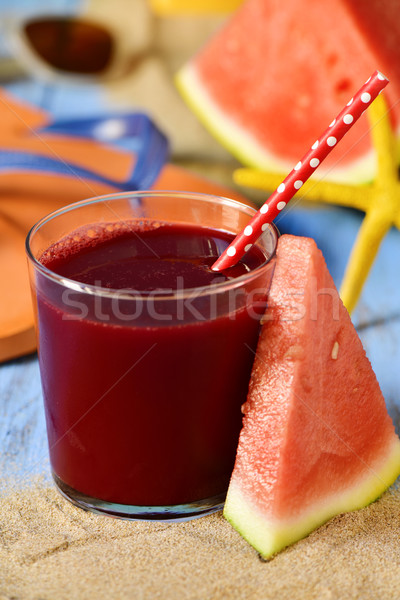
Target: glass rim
<point>166,294</point>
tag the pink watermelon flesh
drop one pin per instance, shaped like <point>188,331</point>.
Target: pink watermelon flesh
<point>279,72</point>
<point>316,439</point>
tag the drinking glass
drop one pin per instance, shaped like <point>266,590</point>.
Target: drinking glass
<point>143,391</point>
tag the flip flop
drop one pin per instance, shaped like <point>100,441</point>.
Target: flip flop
<point>144,137</point>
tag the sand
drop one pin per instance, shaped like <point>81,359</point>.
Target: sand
<point>51,550</point>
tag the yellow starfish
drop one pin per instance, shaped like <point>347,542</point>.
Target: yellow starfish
<point>380,200</point>
<point>196,7</point>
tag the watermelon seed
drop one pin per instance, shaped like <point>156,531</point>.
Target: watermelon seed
<point>343,86</point>
<point>335,350</point>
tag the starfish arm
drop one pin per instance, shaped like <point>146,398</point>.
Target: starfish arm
<point>372,231</point>
<point>258,179</point>
<point>312,190</point>
<point>383,140</point>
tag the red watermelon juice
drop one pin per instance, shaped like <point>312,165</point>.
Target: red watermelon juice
<point>145,356</point>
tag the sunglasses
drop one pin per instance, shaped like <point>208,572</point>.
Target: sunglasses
<point>67,45</point>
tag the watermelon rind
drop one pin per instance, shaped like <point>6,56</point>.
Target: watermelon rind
<point>269,537</point>
<point>244,147</point>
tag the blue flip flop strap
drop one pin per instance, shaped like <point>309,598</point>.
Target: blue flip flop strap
<point>24,161</point>
<point>151,150</point>
<point>128,128</point>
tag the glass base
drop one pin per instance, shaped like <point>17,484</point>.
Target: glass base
<point>176,512</point>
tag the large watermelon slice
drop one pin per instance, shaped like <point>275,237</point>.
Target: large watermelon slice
<point>316,439</point>
<point>270,82</point>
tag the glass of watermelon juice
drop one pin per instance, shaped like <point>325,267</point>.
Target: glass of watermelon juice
<point>145,353</point>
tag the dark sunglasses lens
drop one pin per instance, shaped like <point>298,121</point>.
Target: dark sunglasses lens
<point>71,45</point>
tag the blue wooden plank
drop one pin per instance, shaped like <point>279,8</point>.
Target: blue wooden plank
<point>334,230</point>
<point>22,426</point>
<point>23,443</point>
<point>381,343</point>
<point>377,315</point>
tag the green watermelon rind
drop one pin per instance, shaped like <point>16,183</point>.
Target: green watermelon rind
<point>244,147</point>
<point>269,537</point>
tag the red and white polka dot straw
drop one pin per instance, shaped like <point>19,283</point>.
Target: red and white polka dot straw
<point>302,171</point>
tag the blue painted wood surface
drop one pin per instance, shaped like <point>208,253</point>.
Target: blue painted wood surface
<point>22,426</point>
<point>23,444</point>
<point>377,315</point>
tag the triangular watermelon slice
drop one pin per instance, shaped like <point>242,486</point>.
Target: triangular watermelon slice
<point>316,439</point>
<point>273,78</point>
